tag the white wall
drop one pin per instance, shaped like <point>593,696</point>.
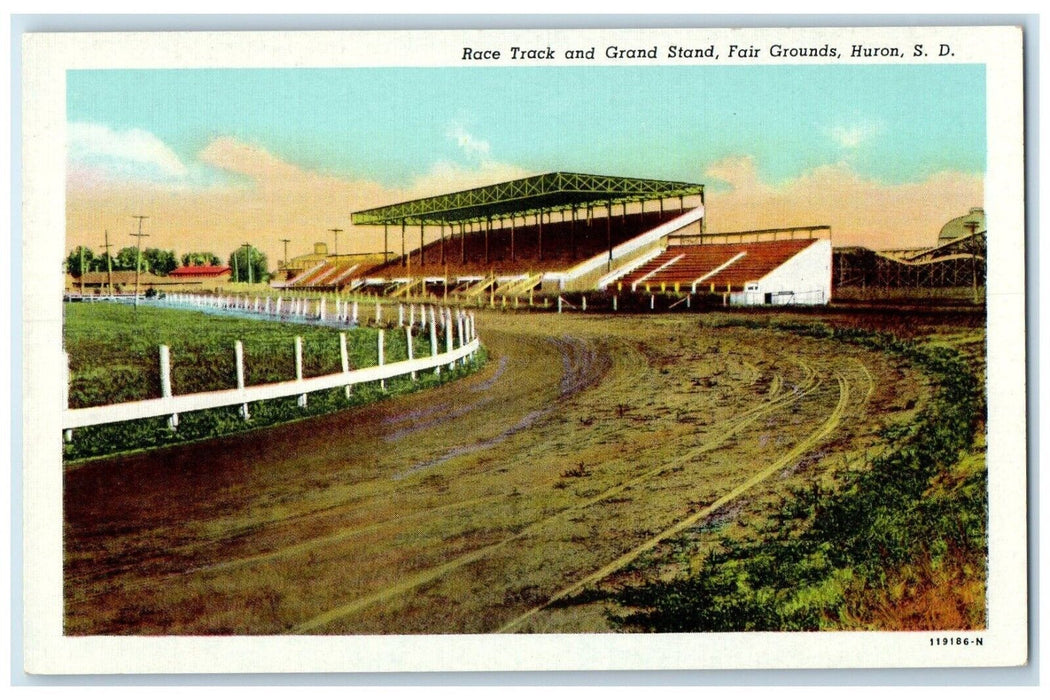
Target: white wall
<point>807,274</point>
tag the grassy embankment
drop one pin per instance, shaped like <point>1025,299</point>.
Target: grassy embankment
<point>899,544</point>
<point>114,358</point>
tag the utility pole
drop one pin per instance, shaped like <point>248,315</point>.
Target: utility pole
<point>109,264</point>
<point>248,259</point>
<point>336,231</point>
<point>81,270</point>
<point>138,253</point>
<point>285,241</point>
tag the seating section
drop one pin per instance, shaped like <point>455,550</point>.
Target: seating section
<point>326,277</point>
<point>727,266</point>
<point>563,245</point>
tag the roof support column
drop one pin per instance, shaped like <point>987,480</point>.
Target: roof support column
<point>462,244</point>
<point>539,218</point>
<point>488,227</point>
<point>572,233</point>
<point>608,231</point>
<point>385,246</point>
<point>703,220</point>
<point>404,260</point>
<point>442,242</point>
<point>512,219</point>
<point>421,258</point>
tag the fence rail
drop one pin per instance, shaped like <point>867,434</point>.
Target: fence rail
<point>172,405</point>
<point>458,326</point>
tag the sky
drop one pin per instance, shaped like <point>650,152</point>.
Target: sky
<point>884,154</point>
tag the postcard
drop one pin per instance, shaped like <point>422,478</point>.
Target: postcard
<point>524,350</point>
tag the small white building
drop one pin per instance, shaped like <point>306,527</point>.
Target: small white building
<point>803,279</point>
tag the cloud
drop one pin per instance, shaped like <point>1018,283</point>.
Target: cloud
<point>444,176</point>
<point>852,136</point>
<point>859,210</point>
<point>471,145</point>
<point>133,153</point>
<point>267,199</point>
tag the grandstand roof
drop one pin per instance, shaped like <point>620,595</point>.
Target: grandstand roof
<point>548,192</point>
<point>200,271</point>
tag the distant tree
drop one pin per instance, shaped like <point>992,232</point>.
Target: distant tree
<point>189,259</point>
<point>160,262</point>
<point>98,263</point>
<point>125,260</point>
<point>73,262</point>
<point>240,260</point>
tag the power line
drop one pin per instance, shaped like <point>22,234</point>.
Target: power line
<point>248,259</point>
<point>336,231</point>
<point>285,241</point>
<point>138,253</point>
<point>109,263</point>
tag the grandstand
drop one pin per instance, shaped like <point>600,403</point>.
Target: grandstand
<point>554,231</point>
<point>562,232</point>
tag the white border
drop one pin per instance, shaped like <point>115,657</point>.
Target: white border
<point>47,56</point>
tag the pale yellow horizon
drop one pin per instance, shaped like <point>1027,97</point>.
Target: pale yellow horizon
<point>276,199</point>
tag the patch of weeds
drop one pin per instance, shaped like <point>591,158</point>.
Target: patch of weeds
<point>578,472</point>
<point>828,550</point>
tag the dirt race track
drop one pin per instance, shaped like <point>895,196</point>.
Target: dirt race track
<point>589,451</point>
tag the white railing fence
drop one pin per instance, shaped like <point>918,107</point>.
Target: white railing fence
<point>461,344</point>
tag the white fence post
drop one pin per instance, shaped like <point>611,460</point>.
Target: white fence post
<point>344,359</point>
<point>320,311</point>
<point>434,341</point>
<point>460,316</point>
<point>584,305</point>
<point>382,382</point>
<point>299,368</point>
<point>559,304</point>
<point>165,383</point>
<point>408,340</point>
<point>379,313</point>
<point>400,315</point>
<point>238,351</point>
<point>66,434</point>
<point>446,316</point>
<point>355,312</point>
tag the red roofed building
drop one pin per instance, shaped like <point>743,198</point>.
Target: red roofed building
<point>201,272</point>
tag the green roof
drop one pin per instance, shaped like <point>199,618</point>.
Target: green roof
<point>549,192</point>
